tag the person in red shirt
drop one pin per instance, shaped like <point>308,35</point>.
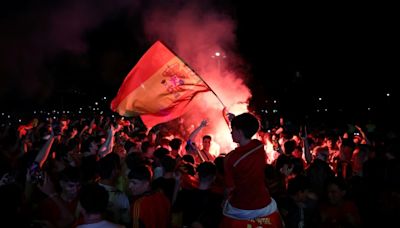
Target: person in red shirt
<point>61,209</point>
<point>150,209</point>
<point>338,211</point>
<point>249,202</point>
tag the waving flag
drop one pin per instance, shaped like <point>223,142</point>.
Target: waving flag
<point>159,88</point>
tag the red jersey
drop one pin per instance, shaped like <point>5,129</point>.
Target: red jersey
<point>51,210</point>
<point>151,211</point>
<point>340,215</point>
<point>245,174</point>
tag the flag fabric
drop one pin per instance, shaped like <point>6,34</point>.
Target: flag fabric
<point>159,88</point>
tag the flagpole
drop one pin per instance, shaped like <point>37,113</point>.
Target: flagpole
<point>219,99</point>
<point>208,87</point>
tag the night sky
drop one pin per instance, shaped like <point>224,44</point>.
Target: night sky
<point>70,52</point>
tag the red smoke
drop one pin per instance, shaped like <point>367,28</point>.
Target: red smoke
<point>196,34</point>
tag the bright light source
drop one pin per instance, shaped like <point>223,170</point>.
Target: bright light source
<point>274,101</point>
<point>317,110</point>
<point>105,98</point>
<point>217,53</point>
<point>326,110</point>
<point>388,94</point>
<point>320,98</point>
<point>96,103</point>
<point>369,109</point>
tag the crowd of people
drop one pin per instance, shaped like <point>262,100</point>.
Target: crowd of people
<point>103,171</point>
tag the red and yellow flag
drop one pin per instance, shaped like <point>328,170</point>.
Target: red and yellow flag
<point>158,88</point>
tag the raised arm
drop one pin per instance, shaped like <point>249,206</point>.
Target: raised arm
<point>106,148</point>
<point>227,116</point>
<point>91,127</point>
<point>41,157</point>
<point>307,153</point>
<point>363,135</point>
<point>196,131</point>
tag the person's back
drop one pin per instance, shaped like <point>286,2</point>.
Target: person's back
<point>247,172</point>
<point>167,182</point>
<point>176,147</point>
<point>94,201</point>
<point>200,204</point>
<point>149,209</point>
<point>118,202</point>
<point>297,208</point>
<point>289,146</point>
<point>250,203</point>
<point>152,209</point>
<point>319,170</point>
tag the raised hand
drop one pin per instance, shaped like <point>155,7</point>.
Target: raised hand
<point>227,115</point>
